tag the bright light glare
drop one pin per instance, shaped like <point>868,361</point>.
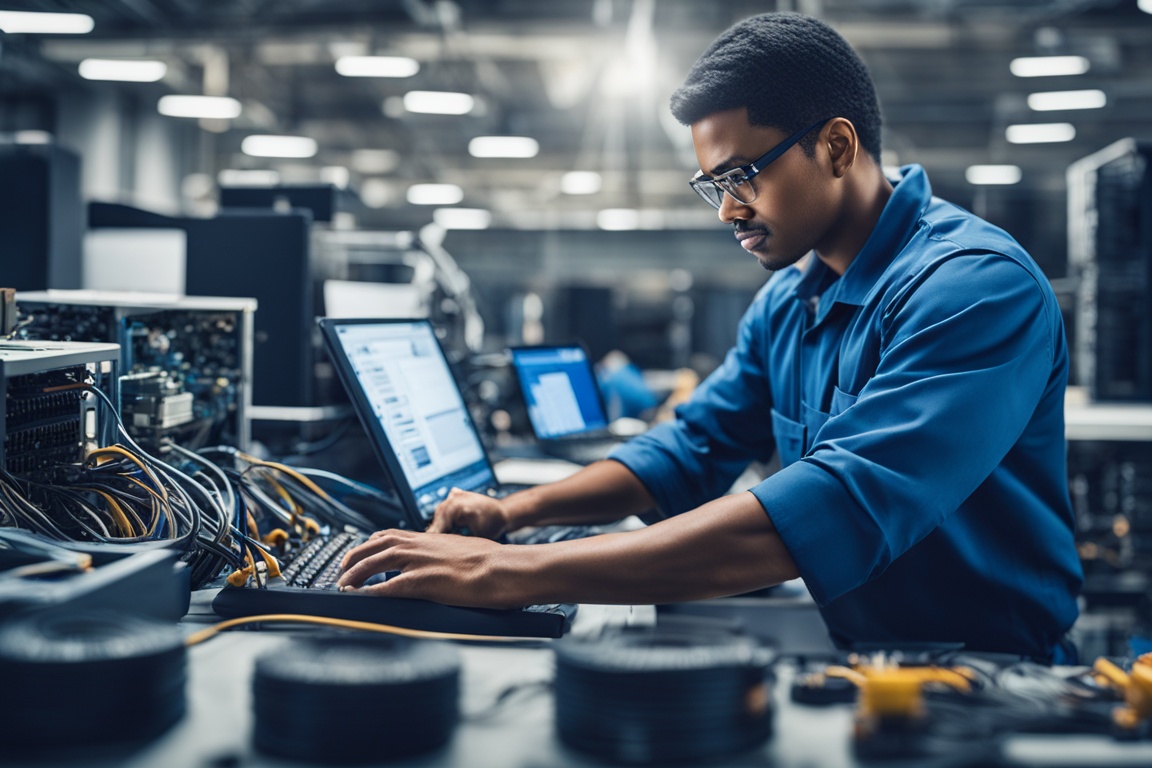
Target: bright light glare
<point>438,102</point>
<point>435,194</point>
<point>263,145</point>
<point>462,218</point>
<point>1054,101</point>
<point>1144,5</point>
<point>1049,66</point>
<point>993,174</point>
<point>208,107</point>
<point>581,183</point>
<point>24,22</point>
<point>123,70</point>
<point>618,219</point>
<point>238,177</point>
<point>377,66</point>
<point>1040,133</point>
<point>503,146</point>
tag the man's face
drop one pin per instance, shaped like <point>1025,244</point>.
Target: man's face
<point>794,206</point>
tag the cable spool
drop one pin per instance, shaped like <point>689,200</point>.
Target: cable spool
<point>356,699</point>
<point>87,678</point>
<point>682,694</point>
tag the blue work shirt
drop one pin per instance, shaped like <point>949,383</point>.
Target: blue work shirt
<point>916,404</point>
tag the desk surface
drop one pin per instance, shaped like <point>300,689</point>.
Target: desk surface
<point>216,732</point>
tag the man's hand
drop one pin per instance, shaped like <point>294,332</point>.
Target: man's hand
<point>471,513</point>
<point>454,570</point>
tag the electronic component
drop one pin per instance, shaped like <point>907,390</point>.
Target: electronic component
<point>187,361</point>
<point>48,417</point>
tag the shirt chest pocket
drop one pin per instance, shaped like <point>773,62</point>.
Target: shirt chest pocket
<point>795,438</point>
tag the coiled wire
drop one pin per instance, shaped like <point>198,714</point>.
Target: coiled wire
<point>88,678</point>
<point>350,700</point>
<point>673,695</point>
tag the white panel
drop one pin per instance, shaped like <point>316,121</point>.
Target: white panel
<point>151,260</point>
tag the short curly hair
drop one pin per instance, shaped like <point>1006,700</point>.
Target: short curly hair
<point>789,70</point>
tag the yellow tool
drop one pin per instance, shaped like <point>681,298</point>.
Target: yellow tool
<point>1136,686</point>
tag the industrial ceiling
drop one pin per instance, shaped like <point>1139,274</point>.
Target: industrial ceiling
<point>589,80</point>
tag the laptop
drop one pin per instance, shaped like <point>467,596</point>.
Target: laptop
<point>403,391</point>
<point>417,421</point>
<point>565,407</point>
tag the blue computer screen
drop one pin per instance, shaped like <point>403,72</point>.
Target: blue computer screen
<point>559,389</point>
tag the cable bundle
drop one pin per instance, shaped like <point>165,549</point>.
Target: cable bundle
<point>355,699</point>
<point>88,678</point>
<point>663,695</point>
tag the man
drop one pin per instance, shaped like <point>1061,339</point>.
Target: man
<point>910,374</point>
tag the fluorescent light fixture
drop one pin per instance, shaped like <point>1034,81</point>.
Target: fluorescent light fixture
<point>618,219</point>
<point>1049,66</point>
<point>462,218</point>
<point>581,183</point>
<point>503,146</point>
<point>24,22</point>
<point>32,137</point>
<point>123,70</point>
<point>208,107</point>
<point>1040,133</point>
<point>1055,101</point>
<point>236,177</point>
<point>435,194</point>
<point>375,193</point>
<point>377,66</point>
<point>265,145</point>
<point>375,160</point>
<point>438,102</point>
<point>982,175</point>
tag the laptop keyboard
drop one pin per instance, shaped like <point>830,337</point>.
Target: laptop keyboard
<point>308,586</point>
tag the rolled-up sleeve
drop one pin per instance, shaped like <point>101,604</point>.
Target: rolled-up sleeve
<point>966,353</point>
<point>725,425</point>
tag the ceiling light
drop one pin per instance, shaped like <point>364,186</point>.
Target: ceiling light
<point>123,70</point>
<point>581,183</point>
<point>1054,101</point>
<point>377,66</point>
<point>1144,5</point>
<point>438,102</point>
<point>1040,133</point>
<point>435,194</point>
<point>235,177</point>
<point>23,22</point>
<point>32,137</point>
<point>208,107</point>
<point>462,218</point>
<point>1049,66</point>
<point>993,174</point>
<point>503,146</point>
<point>618,219</point>
<point>263,145</point>
<point>375,160</point>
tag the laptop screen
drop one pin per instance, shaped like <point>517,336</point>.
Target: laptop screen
<point>560,390</point>
<point>403,390</point>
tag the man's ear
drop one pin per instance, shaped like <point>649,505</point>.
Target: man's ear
<point>842,144</point>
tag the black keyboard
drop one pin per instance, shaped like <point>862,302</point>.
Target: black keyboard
<point>307,586</point>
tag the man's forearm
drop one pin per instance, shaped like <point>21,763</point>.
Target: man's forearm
<point>602,492</point>
<point>726,547</point>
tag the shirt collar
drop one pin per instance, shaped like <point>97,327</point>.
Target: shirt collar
<point>911,195</point>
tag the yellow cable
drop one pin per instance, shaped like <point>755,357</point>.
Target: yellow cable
<point>198,637</point>
<point>288,471</point>
<point>117,513</point>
